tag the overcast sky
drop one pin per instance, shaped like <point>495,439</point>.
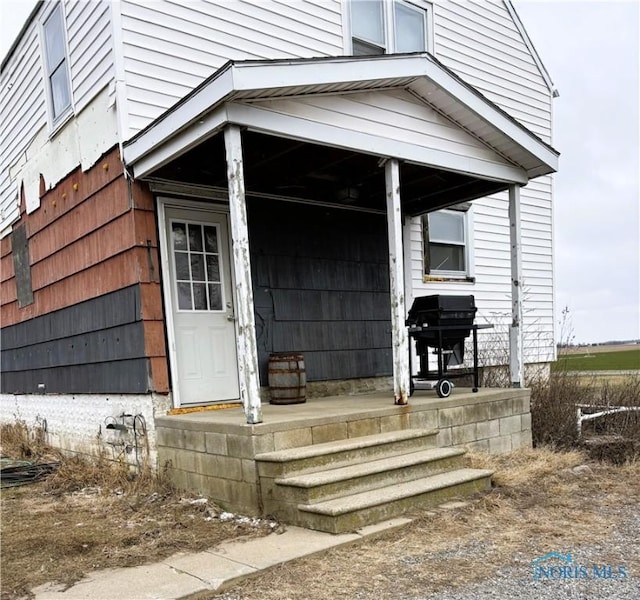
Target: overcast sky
<point>591,52</point>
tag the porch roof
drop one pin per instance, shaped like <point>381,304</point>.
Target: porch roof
<point>208,108</point>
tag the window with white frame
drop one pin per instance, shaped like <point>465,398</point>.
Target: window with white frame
<point>388,26</point>
<point>447,242</point>
<point>56,64</point>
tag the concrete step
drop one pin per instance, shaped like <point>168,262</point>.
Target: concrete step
<point>333,483</point>
<point>328,455</point>
<point>351,512</point>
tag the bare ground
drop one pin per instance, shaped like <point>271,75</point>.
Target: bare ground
<point>85,518</point>
<point>95,515</point>
<point>541,503</point>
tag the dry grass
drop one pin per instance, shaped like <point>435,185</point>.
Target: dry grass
<point>554,401</point>
<point>93,515</point>
<point>19,442</point>
<point>540,503</point>
<point>89,517</point>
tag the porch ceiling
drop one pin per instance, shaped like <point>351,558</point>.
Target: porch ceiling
<point>289,156</point>
<point>288,168</point>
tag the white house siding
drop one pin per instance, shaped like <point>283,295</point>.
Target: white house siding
<point>27,146</point>
<point>394,115</point>
<point>90,49</point>
<point>23,113</point>
<point>481,43</point>
<point>170,47</point>
<point>492,271</point>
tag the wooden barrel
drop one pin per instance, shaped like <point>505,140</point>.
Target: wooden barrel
<point>287,378</point>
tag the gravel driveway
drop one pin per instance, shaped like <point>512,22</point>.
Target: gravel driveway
<point>515,583</point>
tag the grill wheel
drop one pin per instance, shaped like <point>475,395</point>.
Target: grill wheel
<point>444,388</point>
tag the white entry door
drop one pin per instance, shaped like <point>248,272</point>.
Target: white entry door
<point>201,302</point>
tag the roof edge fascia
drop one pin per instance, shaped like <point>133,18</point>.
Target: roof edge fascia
<point>511,9</point>
<point>493,115</point>
<point>239,77</point>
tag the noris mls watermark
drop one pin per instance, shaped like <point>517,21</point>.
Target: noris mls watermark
<point>556,566</point>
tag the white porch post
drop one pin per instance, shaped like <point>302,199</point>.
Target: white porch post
<point>399,339</point>
<point>516,358</point>
<point>246,331</point>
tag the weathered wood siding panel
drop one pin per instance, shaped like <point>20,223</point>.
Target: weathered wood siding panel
<point>94,234</point>
<point>170,47</point>
<point>321,287</point>
<point>90,49</point>
<point>71,350</point>
<point>481,43</point>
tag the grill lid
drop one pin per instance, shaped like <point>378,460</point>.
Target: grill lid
<point>440,309</point>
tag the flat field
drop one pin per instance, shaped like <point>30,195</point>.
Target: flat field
<point>600,358</point>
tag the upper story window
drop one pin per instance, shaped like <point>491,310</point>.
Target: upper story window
<point>388,26</point>
<point>56,64</point>
<point>446,235</point>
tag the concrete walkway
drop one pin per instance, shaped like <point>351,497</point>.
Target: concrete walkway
<point>182,575</point>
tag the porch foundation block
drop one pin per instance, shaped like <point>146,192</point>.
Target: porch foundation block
<point>214,452</point>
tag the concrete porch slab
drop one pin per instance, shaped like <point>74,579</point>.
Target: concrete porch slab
<point>332,410</point>
<point>216,453</point>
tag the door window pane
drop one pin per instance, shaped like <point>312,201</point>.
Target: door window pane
<point>184,296</point>
<point>178,231</point>
<point>410,28</point>
<point>182,266</point>
<point>367,21</point>
<point>213,269</point>
<point>195,238</point>
<point>215,296</point>
<point>199,296</point>
<point>210,239</point>
<point>197,267</point>
<point>198,275</point>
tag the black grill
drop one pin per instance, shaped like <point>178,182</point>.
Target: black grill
<point>443,323</point>
<point>455,314</point>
